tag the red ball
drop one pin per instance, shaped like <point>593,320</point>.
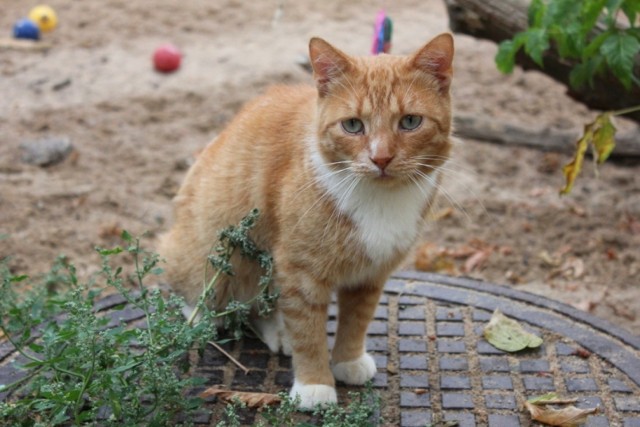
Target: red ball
<point>166,58</point>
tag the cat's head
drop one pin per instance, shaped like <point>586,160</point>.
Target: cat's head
<point>384,118</point>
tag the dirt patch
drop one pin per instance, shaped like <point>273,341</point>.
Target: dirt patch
<point>135,132</point>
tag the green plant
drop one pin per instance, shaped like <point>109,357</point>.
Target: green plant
<point>586,31</point>
<point>78,370</point>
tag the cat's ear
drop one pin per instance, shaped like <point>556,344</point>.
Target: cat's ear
<point>328,63</point>
<point>436,58</point>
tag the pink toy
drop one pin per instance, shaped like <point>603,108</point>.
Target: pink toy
<point>382,34</point>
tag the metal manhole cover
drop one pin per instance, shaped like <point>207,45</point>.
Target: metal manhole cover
<point>433,363</point>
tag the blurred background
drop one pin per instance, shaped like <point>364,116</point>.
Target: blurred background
<point>128,134</point>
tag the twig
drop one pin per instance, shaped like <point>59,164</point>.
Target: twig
<point>24,44</point>
<point>230,357</point>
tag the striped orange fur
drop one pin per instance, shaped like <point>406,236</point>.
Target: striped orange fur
<point>344,174</point>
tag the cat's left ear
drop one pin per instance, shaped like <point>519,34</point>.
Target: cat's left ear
<point>436,58</point>
<point>328,63</point>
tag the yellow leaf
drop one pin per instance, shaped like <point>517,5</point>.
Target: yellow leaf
<point>604,138</point>
<point>252,400</point>
<point>569,416</point>
<point>572,169</point>
<point>600,135</point>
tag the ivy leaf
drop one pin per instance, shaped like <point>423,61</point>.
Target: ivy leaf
<point>591,10</point>
<point>536,12</point>
<point>506,57</point>
<point>620,49</point>
<point>562,12</point>
<point>537,42</point>
<point>583,73</point>
<point>569,39</point>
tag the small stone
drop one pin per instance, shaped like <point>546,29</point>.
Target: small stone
<point>46,152</point>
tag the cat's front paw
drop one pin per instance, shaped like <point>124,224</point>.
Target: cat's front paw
<point>311,395</point>
<point>356,372</point>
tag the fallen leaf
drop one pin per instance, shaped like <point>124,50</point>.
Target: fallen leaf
<point>581,353</point>
<point>252,400</point>
<point>508,335</point>
<point>573,268</point>
<point>550,398</point>
<point>420,391</point>
<point>577,210</point>
<point>433,259</point>
<point>548,259</point>
<point>110,230</point>
<point>587,305</point>
<point>477,260</point>
<point>569,416</point>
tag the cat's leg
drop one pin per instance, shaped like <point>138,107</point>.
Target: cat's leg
<point>272,332</point>
<point>305,318</point>
<point>350,362</point>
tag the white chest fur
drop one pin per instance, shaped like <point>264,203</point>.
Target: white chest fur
<point>387,219</point>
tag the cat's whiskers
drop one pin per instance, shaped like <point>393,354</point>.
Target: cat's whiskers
<point>459,174</point>
<point>325,193</point>
<point>317,179</point>
<point>447,195</point>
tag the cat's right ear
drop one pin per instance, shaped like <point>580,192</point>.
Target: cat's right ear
<point>436,58</point>
<point>328,63</point>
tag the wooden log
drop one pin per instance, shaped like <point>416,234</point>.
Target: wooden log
<point>540,137</point>
<point>499,20</point>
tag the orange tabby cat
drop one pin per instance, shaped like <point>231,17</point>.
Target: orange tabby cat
<point>343,175</point>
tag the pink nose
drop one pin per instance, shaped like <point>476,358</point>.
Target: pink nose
<point>381,162</point>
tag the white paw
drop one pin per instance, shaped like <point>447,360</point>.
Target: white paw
<point>311,395</point>
<point>273,334</point>
<point>356,372</point>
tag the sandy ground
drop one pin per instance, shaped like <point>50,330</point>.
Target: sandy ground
<point>135,132</point>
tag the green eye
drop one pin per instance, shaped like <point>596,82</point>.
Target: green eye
<point>410,122</point>
<point>354,126</point>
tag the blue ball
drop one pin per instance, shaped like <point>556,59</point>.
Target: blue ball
<point>26,29</point>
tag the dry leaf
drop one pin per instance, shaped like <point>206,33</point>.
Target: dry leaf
<point>582,353</point>
<point>573,268</point>
<point>477,260</point>
<point>600,134</point>
<point>569,416</point>
<point>508,335</point>
<point>252,400</point>
<point>433,259</point>
<point>548,259</point>
<point>420,391</point>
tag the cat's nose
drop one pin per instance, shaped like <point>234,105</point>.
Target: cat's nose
<point>382,162</point>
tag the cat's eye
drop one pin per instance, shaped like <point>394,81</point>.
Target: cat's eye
<point>410,122</point>
<point>353,126</point>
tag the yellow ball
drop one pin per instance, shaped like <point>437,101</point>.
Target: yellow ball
<point>44,16</point>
